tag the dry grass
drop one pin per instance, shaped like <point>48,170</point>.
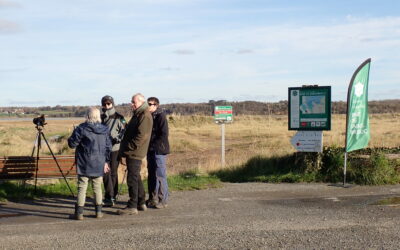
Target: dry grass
<point>196,140</point>
<point>18,137</point>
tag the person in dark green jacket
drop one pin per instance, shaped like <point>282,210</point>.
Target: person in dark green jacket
<point>116,124</point>
<point>134,146</point>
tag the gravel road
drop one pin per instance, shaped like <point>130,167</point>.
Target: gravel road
<point>237,216</point>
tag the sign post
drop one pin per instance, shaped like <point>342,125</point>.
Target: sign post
<point>310,114</point>
<point>222,115</point>
<point>223,144</point>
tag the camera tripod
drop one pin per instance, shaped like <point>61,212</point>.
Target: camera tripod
<point>38,145</point>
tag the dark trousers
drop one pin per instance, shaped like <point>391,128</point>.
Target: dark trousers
<point>157,178</point>
<point>110,179</point>
<point>137,194</point>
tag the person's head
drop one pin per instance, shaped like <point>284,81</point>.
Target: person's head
<point>153,103</point>
<point>137,101</point>
<point>107,102</point>
<point>93,115</point>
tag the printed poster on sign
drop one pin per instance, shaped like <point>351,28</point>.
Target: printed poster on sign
<point>310,108</point>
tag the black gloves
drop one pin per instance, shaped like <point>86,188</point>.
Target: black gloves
<point>115,141</point>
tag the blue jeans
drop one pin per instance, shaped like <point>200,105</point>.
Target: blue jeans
<point>157,177</point>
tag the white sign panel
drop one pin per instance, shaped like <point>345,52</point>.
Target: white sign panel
<point>307,141</point>
<point>294,109</point>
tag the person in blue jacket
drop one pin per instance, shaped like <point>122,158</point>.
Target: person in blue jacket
<point>93,145</point>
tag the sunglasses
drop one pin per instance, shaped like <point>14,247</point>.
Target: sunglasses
<point>107,104</point>
<point>152,104</point>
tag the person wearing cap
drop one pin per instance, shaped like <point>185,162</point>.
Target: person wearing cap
<point>116,125</point>
<point>157,157</point>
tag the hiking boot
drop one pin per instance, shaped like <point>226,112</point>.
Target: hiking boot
<point>151,204</point>
<point>127,211</point>
<point>99,214</point>
<point>142,207</point>
<point>108,202</point>
<point>156,205</point>
<point>161,205</point>
<point>78,214</point>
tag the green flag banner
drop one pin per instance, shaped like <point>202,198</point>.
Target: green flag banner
<point>357,121</point>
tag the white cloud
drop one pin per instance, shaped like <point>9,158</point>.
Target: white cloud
<point>157,2</point>
<point>8,26</point>
<point>244,51</point>
<point>6,4</point>
<point>136,45</point>
<point>328,39</point>
<point>184,52</point>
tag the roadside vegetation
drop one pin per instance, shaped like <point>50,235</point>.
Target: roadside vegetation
<point>257,149</point>
<point>196,140</point>
<point>365,167</point>
<point>19,190</point>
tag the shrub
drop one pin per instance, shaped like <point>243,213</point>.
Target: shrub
<point>332,165</point>
<point>376,170</point>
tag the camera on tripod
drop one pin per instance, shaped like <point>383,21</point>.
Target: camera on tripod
<point>39,121</point>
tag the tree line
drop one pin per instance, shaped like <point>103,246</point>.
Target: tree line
<point>239,108</point>
<point>273,108</point>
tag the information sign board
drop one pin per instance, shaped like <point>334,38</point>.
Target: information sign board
<point>307,141</point>
<point>223,114</point>
<point>310,108</point>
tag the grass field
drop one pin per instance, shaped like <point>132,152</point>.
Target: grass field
<point>196,140</point>
<point>17,190</point>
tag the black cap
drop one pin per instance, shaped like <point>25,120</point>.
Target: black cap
<point>107,98</point>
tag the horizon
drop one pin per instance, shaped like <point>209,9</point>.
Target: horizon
<point>180,103</point>
<point>74,53</point>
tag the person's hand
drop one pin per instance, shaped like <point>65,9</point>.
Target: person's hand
<point>106,168</point>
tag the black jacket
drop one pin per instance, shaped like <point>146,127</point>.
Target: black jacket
<point>159,136</point>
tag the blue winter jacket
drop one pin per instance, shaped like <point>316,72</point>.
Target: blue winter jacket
<point>93,146</point>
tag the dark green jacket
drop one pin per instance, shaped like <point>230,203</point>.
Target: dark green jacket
<point>137,134</point>
<point>116,124</point>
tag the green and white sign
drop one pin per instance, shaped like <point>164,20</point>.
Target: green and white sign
<point>223,114</point>
<point>357,122</point>
<point>310,108</point>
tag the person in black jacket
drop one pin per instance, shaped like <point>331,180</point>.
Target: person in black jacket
<point>157,157</point>
<point>92,141</point>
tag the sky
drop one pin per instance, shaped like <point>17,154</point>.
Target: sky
<point>73,52</point>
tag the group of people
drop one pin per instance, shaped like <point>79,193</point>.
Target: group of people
<point>105,139</point>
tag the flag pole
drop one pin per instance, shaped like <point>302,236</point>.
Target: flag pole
<point>344,170</point>
<point>346,149</point>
